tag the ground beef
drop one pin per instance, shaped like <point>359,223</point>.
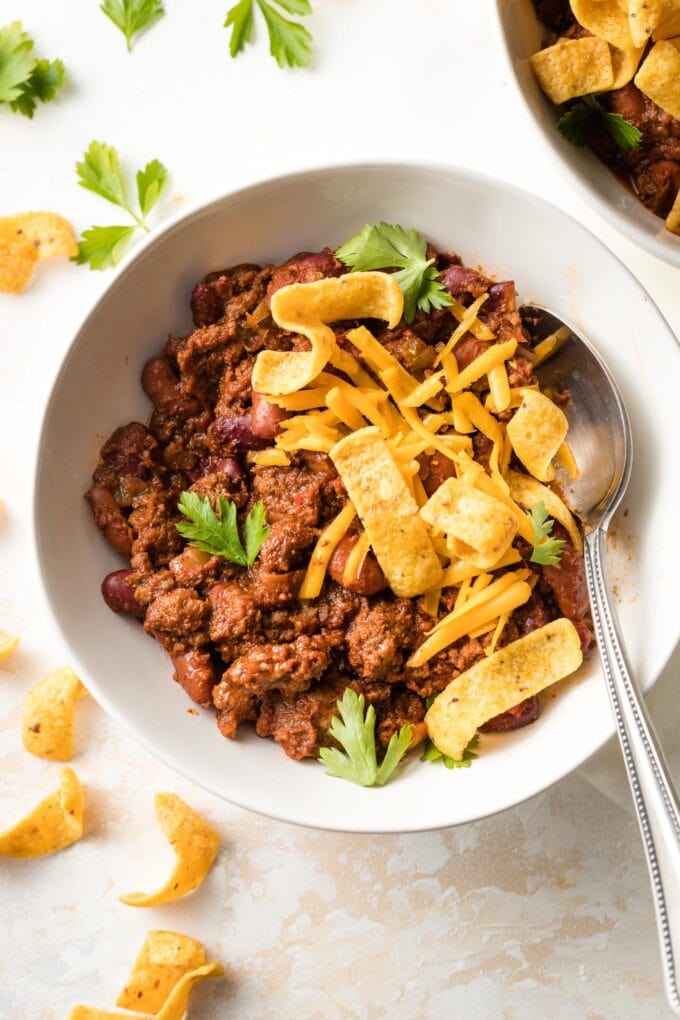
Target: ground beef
<point>240,638</point>
<point>378,637</point>
<point>290,667</point>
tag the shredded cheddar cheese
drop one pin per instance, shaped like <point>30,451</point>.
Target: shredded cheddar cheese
<point>326,545</point>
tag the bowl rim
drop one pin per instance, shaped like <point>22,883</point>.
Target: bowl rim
<point>126,266</point>
<point>654,244</point>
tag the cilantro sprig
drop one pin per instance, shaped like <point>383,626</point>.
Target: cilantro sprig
<point>100,171</point>
<point>547,551</point>
<point>578,123</point>
<point>217,534</point>
<point>355,732</point>
<point>289,42</point>
<point>387,246</point>
<point>132,16</point>
<point>25,80</point>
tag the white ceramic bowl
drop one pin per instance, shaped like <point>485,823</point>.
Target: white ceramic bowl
<point>521,34</point>
<point>555,261</point>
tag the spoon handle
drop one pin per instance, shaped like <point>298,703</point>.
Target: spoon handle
<point>656,800</point>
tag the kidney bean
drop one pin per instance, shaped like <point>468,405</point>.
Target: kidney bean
<point>120,596</point>
<point>228,466</point>
<point>205,304</point>
<point>196,673</point>
<point>160,384</point>
<point>305,267</point>
<point>501,297</point>
<point>110,519</point>
<point>434,470</point>
<point>526,712</point>
<point>458,280</point>
<point>128,450</point>
<point>236,430</point>
<point>275,590</point>
<point>266,418</point>
<point>370,578</point>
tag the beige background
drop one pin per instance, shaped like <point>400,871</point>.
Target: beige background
<point>543,911</point>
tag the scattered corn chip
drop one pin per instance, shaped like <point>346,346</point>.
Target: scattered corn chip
<point>482,526</point>
<point>659,77</point>
<point>7,645</point>
<point>574,67</point>
<point>537,430</point>
<point>195,844</point>
<point>176,1005</point>
<point>388,512</point>
<point>47,715</point>
<point>55,823</point>
<point>306,308</point>
<point>501,681</point>
<point>606,19</point>
<point>165,957</point>
<point>28,238</point>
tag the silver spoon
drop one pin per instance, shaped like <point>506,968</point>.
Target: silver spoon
<point>600,439</point>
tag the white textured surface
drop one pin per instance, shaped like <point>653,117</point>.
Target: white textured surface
<point>541,912</point>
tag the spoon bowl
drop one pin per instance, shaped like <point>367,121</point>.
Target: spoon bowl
<point>599,428</point>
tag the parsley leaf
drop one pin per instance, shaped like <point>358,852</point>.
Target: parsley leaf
<point>433,753</point>
<point>103,247</point>
<point>132,16</point>
<point>255,530</point>
<point>24,80</point>
<point>99,171</point>
<point>356,734</point>
<point>289,42</point>
<point>241,17</point>
<point>391,247</point>
<point>150,182</point>
<point>218,534</point>
<point>578,122</point>
<point>546,550</point>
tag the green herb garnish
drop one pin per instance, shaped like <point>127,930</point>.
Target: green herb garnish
<point>217,534</point>
<point>546,550</point>
<point>132,16</point>
<point>100,172</point>
<point>391,247</point>
<point>289,42</point>
<point>432,753</point>
<point>578,122</point>
<point>25,80</point>
<point>356,734</point>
